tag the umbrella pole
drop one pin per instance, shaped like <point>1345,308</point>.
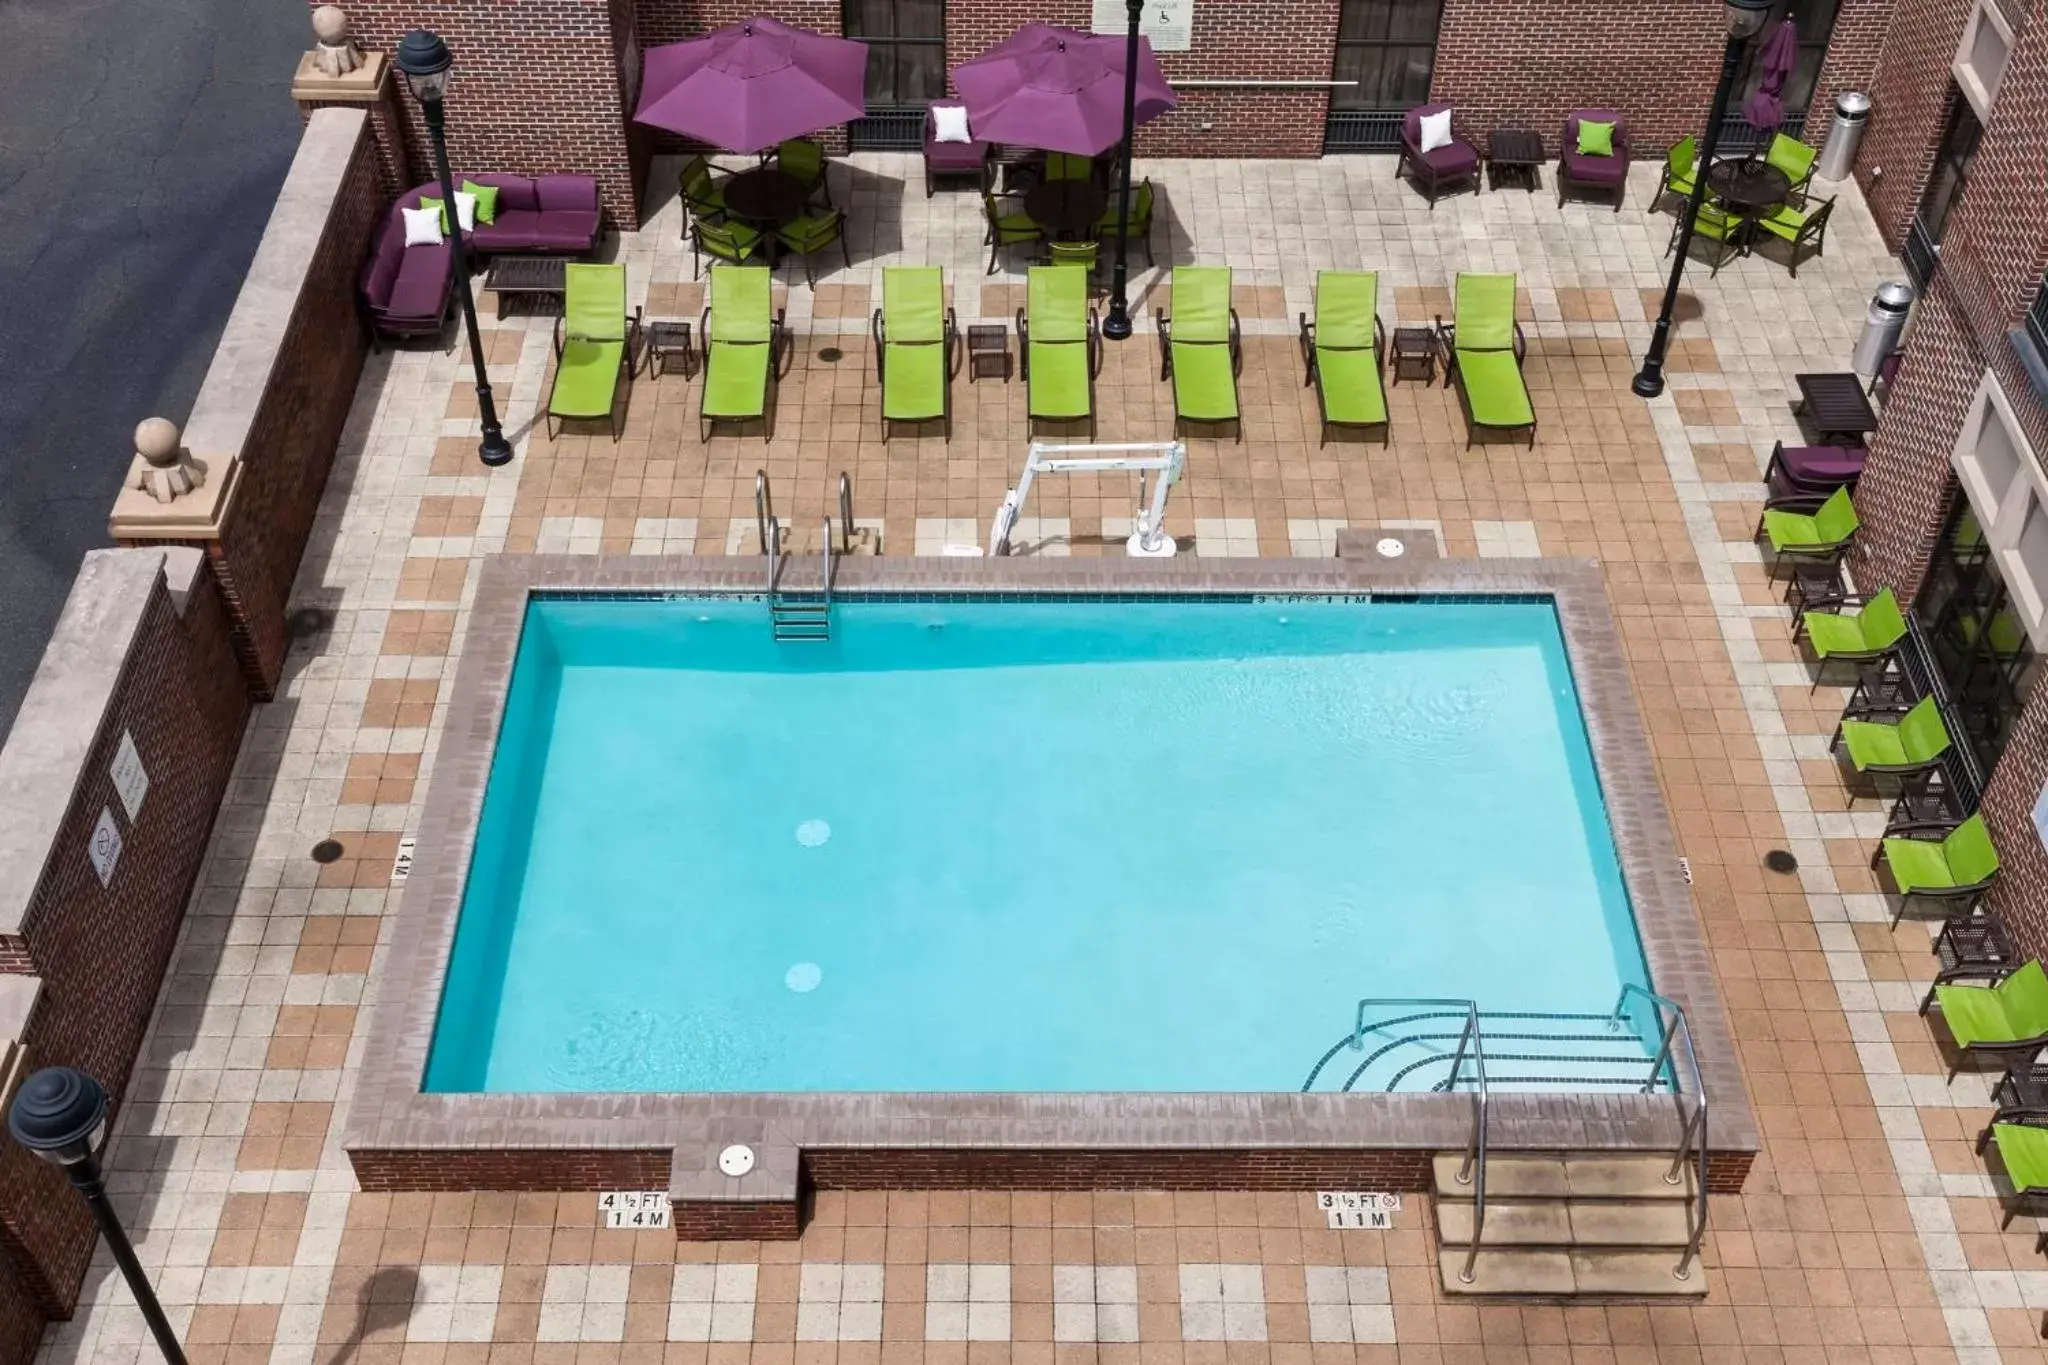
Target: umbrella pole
<point>1117,326</point>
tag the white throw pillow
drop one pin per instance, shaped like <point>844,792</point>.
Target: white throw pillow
<point>422,227</point>
<point>1436,131</point>
<point>950,123</point>
<point>465,211</point>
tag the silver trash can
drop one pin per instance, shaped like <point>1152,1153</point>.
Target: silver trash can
<point>1882,327</point>
<point>1838,157</point>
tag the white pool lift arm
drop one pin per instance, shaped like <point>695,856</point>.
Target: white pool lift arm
<point>1166,459</point>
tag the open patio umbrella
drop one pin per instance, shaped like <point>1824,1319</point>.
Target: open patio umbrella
<point>1059,89</point>
<point>753,84</point>
<point>1764,110</point>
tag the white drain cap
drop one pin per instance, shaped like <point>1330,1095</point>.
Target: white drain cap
<point>1390,548</point>
<point>737,1159</point>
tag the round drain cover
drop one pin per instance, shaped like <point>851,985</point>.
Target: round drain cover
<point>831,355</point>
<point>1781,860</point>
<point>737,1159</point>
<point>308,621</point>
<point>1389,548</point>
<point>327,851</point>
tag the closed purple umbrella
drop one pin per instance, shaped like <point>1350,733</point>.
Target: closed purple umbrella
<point>1059,89</point>
<point>751,85</point>
<point>1764,110</point>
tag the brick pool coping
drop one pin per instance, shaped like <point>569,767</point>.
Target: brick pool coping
<point>400,1138</point>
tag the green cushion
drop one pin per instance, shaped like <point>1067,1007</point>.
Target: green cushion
<point>1834,635</point>
<point>1350,383</point>
<point>1056,303</point>
<point>594,301</point>
<point>1918,865</point>
<point>586,378</point>
<point>1830,526</point>
<point>1791,156</point>
<point>1198,302</point>
<point>486,200</point>
<point>434,202</point>
<point>1485,313</point>
<point>1872,744</point>
<point>913,380</point>
<point>1058,386</point>
<point>2012,1011</point>
<point>1969,852</point>
<point>742,303</point>
<point>1494,389</point>
<point>2024,1151</point>
<point>1595,138</point>
<point>1347,302</point>
<point>1204,385</point>
<point>1872,630</point>
<point>736,379</point>
<point>1921,732</point>
<point>913,303</point>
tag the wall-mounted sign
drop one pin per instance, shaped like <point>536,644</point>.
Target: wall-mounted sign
<point>105,847</point>
<point>1170,24</point>
<point>634,1209</point>
<point>1358,1208</point>
<point>131,781</point>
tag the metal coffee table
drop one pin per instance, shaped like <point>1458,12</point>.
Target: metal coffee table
<point>535,277</point>
<point>1513,154</point>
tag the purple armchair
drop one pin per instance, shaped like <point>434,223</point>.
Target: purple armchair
<point>1607,174</point>
<point>1433,171</point>
<point>960,159</point>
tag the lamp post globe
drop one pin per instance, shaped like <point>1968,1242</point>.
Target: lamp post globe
<point>1745,19</point>
<point>429,66</point>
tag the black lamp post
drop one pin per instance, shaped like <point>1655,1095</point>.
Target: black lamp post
<point>428,67</point>
<point>61,1115</point>
<point>1117,326</point>
<point>1745,18</point>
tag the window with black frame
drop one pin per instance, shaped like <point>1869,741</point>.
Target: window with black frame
<point>1386,53</point>
<point>1814,22</point>
<point>1980,646</point>
<point>1945,186</point>
<point>906,67</point>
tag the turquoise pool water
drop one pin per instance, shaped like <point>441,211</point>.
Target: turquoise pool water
<point>1050,846</point>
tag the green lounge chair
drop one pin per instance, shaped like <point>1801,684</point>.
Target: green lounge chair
<point>1955,869</point>
<point>1912,744</point>
<point>1821,534</point>
<point>1344,351</point>
<point>1061,348</point>
<point>1486,347</point>
<point>741,336</point>
<point>595,340</point>
<point>1681,169</point>
<point>1859,636</point>
<point>1201,348</point>
<point>2007,1020</point>
<point>915,340</point>
<point>2023,1150</point>
<point>1794,158</point>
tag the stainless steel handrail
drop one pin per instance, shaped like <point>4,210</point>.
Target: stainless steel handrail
<point>1473,1170</point>
<point>831,567</point>
<point>845,516</point>
<point>1693,1135</point>
<point>764,507</point>
<point>771,545</point>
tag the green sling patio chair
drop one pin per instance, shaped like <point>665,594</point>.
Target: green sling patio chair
<point>1726,235</point>
<point>1486,347</point>
<point>1014,228</point>
<point>1821,534</point>
<point>1068,166</point>
<point>1201,347</point>
<point>1344,351</point>
<point>1140,225</point>
<point>2007,1021</point>
<point>732,243</point>
<point>595,339</point>
<point>803,160</point>
<point>741,336</point>
<point>809,235</point>
<point>702,192</point>
<point>1912,744</point>
<point>1800,229</point>
<point>1681,169</point>
<point>1795,159</point>
<point>1861,636</point>
<point>1086,255</point>
<point>1060,345</point>
<point>1953,870</point>
<point>2023,1150</point>
<point>915,340</point>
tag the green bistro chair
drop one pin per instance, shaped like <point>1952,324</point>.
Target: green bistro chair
<point>1486,346</point>
<point>594,343</point>
<point>1201,347</point>
<point>1794,158</point>
<point>1142,202</point>
<point>732,243</point>
<point>1681,169</point>
<point>1086,255</point>
<point>915,340</point>
<point>1006,229</point>
<point>1067,166</point>
<point>809,235</point>
<point>702,193</point>
<point>803,161</point>
<point>1912,744</point>
<point>742,337</point>
<point>1725,234</point>
<point>1860,636</point>
<point>1344,351</point>
<point>1802,229</point>
<point>2023,1151</point>
<point>2007,1020</point>
<point>1821,534</point>
<point>1060,346</point>
<point>1955,869</point>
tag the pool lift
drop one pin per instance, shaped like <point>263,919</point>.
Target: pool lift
<point>1166,459</point>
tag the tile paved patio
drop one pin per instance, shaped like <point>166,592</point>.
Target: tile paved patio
<point>1869,1228</point>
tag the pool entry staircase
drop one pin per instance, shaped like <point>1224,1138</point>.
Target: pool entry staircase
<point>800,576</point>
<point>1547,1225</point>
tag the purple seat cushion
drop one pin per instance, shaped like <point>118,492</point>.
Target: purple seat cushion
<point>564,230</point>
<point>1594,170</point>
<point>1821,466</point>
<point>421,289</point>
<point>513,230</point>
<point>556,193</point>
<point>1456,159</point>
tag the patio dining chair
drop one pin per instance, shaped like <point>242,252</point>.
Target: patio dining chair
<point>594,344</point>
<point>1087,255</point>
<point>1485,345</point>
<point>732,243</point>
<point>1439,168</point>
<point>803,160</point>
<point>2023,1151</point>
<point>1201,347</point>
<point>1140,223</point>
<point>1911,744</point>
<point>1593,154</point>
<point>1726,235</point>
<point>1060,346</point>
<point>1858,635</point>
<point>2007,1020</point>
<point>1344,351</point>
<point>1681,170</point>
<point>1014,228</point>
<point>1802,229</point>
<point>1795,159</point>
<point>1952,870</point>
<point>1067,166</point>
<point>916,339</point>
<point>1822,534</point>
<point>809,235</point>
<point>702,190</point>
<point>742,339</point>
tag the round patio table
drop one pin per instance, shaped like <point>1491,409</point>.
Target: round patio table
<point>1068,208</point>
<point>1748,186</point>
<point>765,197</point>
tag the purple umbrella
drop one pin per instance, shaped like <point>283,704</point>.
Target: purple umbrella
<point>751,85</point>
<point>1764,110</point>
<point>1059,89</point>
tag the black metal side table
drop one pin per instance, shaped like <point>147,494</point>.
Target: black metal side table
<point>670,341</point>
<point>988,351</point>
<point>1414,354</point>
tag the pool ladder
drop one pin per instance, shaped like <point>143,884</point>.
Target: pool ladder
<point>800,615</point>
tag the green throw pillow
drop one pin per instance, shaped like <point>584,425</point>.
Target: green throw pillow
<point>1595,139</point>
<point>486,200</point>
<point>430,203</point>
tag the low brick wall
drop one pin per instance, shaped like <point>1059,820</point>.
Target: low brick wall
<point>511,1168</point>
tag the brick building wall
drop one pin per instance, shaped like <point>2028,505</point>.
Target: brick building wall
<point>1908,103</point>
<point>1854,49</point>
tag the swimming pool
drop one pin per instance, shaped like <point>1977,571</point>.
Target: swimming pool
<point>1019,846</point>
